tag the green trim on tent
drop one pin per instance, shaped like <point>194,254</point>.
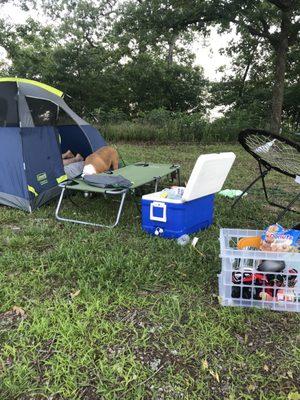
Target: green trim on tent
<point>32,190</point>
<point>61,179</point>
<point>50,89</point>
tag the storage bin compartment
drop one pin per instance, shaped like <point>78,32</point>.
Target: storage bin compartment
<point>243,282</point>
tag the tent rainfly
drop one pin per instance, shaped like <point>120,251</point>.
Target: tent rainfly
<point>36,127</point>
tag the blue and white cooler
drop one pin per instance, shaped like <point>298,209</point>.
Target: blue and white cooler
<point>172,218</point>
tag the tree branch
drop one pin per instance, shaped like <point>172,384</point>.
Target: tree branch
<point>89,40</point>
<point>266,27</point>
<point>284,5</point>
<point>255,31</point>
<point>294,33</point>
<point>264,33</point>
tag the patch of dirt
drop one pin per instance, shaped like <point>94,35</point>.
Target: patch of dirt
<point>160,357</point>
<point>259,339</point>
<point>10,320</point>
<point>157,357</point>
<point>34,396</point>
<point>89,393</point>
<point>138,317</point>
<point>43,353</point>
<point>261,336</point>
<point>154,291</point>
<point>14,228</point>
<point>44,247</point>
<point>166,392</point>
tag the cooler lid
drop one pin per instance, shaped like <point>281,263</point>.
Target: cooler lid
<point>208,175</point>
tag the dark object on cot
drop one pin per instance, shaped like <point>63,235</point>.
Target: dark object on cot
<point>108,181</point>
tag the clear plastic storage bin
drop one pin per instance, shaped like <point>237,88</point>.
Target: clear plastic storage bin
<point>242,283</point>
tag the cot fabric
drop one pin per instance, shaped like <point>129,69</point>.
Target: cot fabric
<point>138,174</point>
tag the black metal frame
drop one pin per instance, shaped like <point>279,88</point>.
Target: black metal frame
<point>262,176</point>
<point>264,169</point>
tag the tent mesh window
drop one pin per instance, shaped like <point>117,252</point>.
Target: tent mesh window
<point>64,119</point>
<point>43,112</point>
<point>8,105</point>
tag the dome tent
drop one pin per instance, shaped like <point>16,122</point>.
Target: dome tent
<point>36,126</point>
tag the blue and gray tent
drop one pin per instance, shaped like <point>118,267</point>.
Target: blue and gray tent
<point>36,127</point>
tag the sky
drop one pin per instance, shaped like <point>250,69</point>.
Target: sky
<point>208,55</point>
<point>206,50</point>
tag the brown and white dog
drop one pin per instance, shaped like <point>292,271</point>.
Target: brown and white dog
<point>101,160</point>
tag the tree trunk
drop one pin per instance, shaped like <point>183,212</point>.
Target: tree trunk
<point>171,49</point>
<point>281,49</point>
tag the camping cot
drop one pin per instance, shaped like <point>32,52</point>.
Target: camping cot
<point>139,174</point>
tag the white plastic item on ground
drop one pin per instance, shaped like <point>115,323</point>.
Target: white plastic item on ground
<point>231,193</point>
<point>208,175</point>
<point>183,240</point>
<point>242,283</point>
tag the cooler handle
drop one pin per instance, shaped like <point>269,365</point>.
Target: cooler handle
<point>156,204</point>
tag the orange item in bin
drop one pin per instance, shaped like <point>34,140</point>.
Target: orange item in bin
<point>253,241</point>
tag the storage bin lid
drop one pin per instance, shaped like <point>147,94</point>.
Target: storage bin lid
<point>208,175</point>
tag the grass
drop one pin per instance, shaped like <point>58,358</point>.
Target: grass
<point>146,323</point>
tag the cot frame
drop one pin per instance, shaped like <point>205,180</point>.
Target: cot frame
<point>65,186</point>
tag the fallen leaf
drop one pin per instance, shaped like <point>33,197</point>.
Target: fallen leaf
<point>75,294</point>
<point>290,374</point>
<point>18,311</point>
<point>215,375</point>
<point>204,364</point>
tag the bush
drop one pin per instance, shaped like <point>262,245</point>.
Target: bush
<point>112,116</point>
<point>227,128</point>
<point>157,117</point>
<point>164,126</point>
<point>130,132</point>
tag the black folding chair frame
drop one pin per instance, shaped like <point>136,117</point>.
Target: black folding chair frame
<point>264,171</point>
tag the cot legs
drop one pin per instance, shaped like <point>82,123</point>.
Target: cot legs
<point>176,175</point>
<point>60,218</point>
